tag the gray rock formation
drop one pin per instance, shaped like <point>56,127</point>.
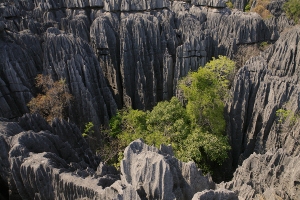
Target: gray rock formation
<point>51,162</point>
<point>266,84</point>
<point>215,195</point>
<point>20,60</point>
<point>209,3</point>
<point>267,176</point>
<point>119,52</point>
<point>158,175</point>
<point>116,52</point>
<point>275,7</point>
<point>71,58</point>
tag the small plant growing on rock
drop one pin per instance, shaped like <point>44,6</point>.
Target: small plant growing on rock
<point>88,130</point>
<point>248,6</point>
<point>284,115</point>
<point>229,4</point>
<point>263,45</point>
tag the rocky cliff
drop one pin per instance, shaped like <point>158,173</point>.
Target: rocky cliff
<point>116,53</point>
<point>267,85</point>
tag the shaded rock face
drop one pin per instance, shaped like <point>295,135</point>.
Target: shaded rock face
<point>64,56</point>
<point>42,161</point>
<point>209,3</point>
<point>115,53</point>
<point>266,84</point>
<point>39,161</point>
<point>20,61</point>
<point>73,59</point>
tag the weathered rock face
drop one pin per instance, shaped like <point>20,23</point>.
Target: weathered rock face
<point>133,53</point>
<point>158,175</point>
<point>54,162</point>
<point>20,60</point>
<point>71,58</point>
<point>209,3</point>
<point>239,4</point>
<point>266,84</point>
<point>275,7</point>
<point>268,176</point>
<point>116,53</point>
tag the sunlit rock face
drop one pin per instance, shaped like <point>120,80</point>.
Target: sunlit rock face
<point>155,174</point>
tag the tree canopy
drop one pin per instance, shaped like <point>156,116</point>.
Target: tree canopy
<point>196,131</point>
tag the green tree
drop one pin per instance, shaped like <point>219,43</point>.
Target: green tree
<point>170,120</point>
<point>204,149</point>
<point>206,92</point>
<point>195,131</point>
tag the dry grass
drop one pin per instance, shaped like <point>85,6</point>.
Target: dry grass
<point>261,9</point>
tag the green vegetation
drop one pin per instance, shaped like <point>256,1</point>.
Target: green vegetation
<point>229,4</point>
<point>292,9</point>
<point>88,129</point>
<point>263,45</point>
<point>248,6</point>
<point>284,115</point>
<point>53,100</point>
<point>196,131</point>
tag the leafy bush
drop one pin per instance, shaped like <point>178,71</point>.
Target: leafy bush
<point>53,99</point>
<point>292,9</point>
<point>196,132</point>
